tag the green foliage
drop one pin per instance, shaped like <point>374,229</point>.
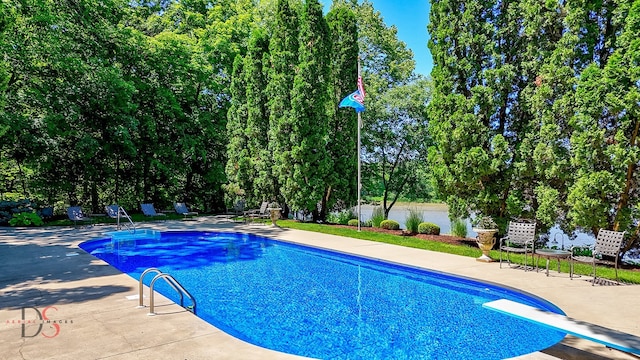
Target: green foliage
<point>413,220</point>
<point>548,200</point>
<point>238,167</point>
<point>185,101</point>
<point>76,125</point>
<point>377,216</point>
<point>484,222</point>
<point>428,228</point>
<point>307,161</point>
<point>389,224</point>
<point>535,117</point>
<point>582,251</point>
<point>283,49</point>
<point>9,209</point>
<point>26,219</point>
<point>586,199</point>
<point>459,228</point>
<point>394,135</point>
<point>257,126</point>
<point>341,217</point>
<point>353,222</point>
<point>340,185</point>
<point>549,130</point>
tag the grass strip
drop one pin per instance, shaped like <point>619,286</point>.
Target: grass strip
<point>625,276</point>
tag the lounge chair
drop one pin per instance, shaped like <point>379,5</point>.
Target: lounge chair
<point>112,211</point>
<point>606,251</point>
<point>117,212</point>
<point>520,238</point>
<point>181,208</point>
<point>237,211</point>
<point>261,213</point>
<point>76,215</point>
<point>149,210</point>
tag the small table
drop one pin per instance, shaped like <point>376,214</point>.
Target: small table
<point>552,253</point>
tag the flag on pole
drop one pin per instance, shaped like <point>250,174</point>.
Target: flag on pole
<point>361,87</point>
<point>355,99</point>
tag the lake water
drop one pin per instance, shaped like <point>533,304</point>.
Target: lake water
<point>439,215</point>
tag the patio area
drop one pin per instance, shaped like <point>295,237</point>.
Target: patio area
<point>95,305</point>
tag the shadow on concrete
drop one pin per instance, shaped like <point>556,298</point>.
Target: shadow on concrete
<point>567,352</point>
<point>36,262</point>
<point>45,264</point>
<point>33,297</point>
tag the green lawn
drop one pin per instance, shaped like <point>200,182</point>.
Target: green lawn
<point>626,276</point>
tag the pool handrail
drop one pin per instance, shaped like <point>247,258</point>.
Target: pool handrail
<point>141,287</point>
<point>118,212</point>
<point>172,282</point>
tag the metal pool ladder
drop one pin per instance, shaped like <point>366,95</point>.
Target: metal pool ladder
<point>172,282</point>
<point>118,212</point>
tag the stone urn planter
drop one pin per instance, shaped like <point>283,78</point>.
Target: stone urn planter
<point>275,214</point>
<point>486,239</point>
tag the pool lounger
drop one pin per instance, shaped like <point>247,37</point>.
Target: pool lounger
<point>608,337</point>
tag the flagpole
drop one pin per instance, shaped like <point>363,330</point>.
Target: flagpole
<point>359,187</point>
<point>359,203</point>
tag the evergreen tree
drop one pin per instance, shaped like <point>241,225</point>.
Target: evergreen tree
<point>482,67</point>
<point>283,49</point>
<point>605,149</point>
<point>342,181</point>
<point>309,163</point>
<point>256,65</point>
<point>238,168</point>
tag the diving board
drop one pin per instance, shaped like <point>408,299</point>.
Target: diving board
<point>608,337</point>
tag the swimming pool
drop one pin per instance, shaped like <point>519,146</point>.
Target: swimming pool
<point>328,305</point>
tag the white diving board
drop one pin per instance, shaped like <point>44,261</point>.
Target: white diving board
<point>608,337</point>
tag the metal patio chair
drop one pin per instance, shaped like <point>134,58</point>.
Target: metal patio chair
<point>606,251</point>
<point>520,238</point>
<point>150,211</point>
<point>76,215</point>
<point>181,208</point>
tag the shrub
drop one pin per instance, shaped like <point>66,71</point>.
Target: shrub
<point>8,209</point>
<point>377,216</point>
<point>390,225</point>
<point>353,222</point>
<point>341,217</point>
<point>428,228</point>
<point>367,223</point>
<point>413,220</point>
<point>26,219</point>
<point>459,228</point>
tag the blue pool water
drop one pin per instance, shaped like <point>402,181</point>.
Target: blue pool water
<point>329,305</point>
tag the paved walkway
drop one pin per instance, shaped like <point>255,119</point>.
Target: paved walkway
<point>43,271</point>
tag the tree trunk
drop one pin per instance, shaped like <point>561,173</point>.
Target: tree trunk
<point>94,198</point>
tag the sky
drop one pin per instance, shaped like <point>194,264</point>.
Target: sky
<point>410,18</point>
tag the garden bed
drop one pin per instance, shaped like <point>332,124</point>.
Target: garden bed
<point>449,239</point>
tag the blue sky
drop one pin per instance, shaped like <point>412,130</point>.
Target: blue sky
<point>410,18</point>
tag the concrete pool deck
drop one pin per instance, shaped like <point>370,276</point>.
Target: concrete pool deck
<point>42,271</point>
